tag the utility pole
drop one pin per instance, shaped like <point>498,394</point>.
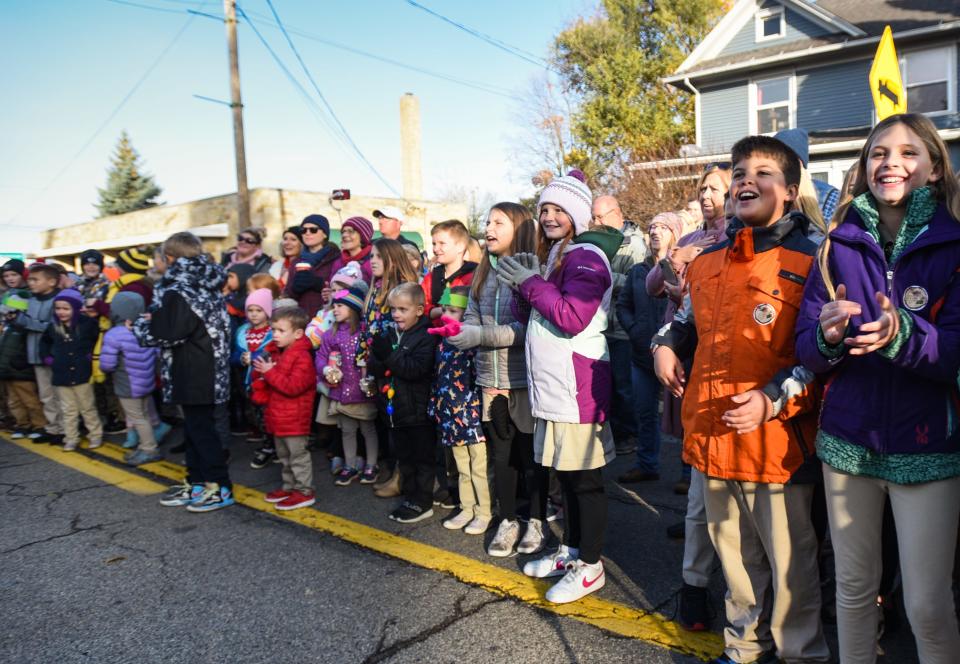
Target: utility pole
<point>243,195</point>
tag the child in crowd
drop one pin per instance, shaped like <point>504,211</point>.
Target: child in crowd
<point>415,258</point>
<point>880,320</point>
<point>134,370</point>
<point>569,373</point>
<point>190,323</point>
<point>349,275</point>
<point>354,410</point>
<point>749,412</point>
<point>93,283</point>
<point>15,372</point>
<point>455,407</point>
<point>42,282</point>
<point>284,383</point>
<point>450,241</point>
<point>66,347</point>
<point>262,280</point>
<point>251,338</point>
<point>402,359</point>
<point>12,274</point>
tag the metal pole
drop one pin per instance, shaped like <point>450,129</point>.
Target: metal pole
<point>243,194</point>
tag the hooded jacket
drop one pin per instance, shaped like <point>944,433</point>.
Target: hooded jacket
<point>500,359</point>
<point>70,353</point>
<point>339,339</point>
<point>288,390</point>
<point>35,321</point>
<point>134,367</point>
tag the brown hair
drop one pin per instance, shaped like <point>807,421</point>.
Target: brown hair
<point>524,241</point>
<point>946,189</point>
<point>48,270</point>
<point>414,254</point>
<point>261,280</point>
<point>257,232</point>
<point>453,226</point>
<point>182,245</point>
<point>410,290</point>
<point>786,159</point>
<point>297,317</point>
<point>396,269</point>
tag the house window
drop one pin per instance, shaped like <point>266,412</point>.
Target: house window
<point>773,104</point>
<point>928,79</point>
<point>770,23</point>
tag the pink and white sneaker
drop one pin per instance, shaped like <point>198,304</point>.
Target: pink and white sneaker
<point>580,580</point>
<point>553,565</point>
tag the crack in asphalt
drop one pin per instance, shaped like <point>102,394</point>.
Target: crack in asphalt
<point>381,653</point>
<point>75,529</point>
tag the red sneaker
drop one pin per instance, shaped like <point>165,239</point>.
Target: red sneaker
<point>297,500</point>
<point>277,496</point>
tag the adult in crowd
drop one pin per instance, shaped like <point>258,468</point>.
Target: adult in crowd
<point>291,245</point>
<point>356,244</point>
<point>490,325</point>
<point>391,218</point>
<point>640,317</point>
<point>606,212</point>
<point>93,283</point>
<point>249,251</point>
<point>664,281</point>
<point>313,269</point>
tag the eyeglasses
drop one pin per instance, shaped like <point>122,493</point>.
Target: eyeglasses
<point>246,240</point>
<point>310,230</point>
<point>348,231</point>
<point>597,218</point>
<point>718,165</point>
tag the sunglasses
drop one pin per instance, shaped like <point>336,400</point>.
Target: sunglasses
<point>718,165</point>
<point>246,240</point>
<point>310,230</point>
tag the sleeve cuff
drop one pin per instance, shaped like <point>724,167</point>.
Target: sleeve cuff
<point>832,352</point>
<point>892,349</point>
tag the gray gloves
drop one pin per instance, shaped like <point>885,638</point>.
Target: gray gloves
<point>514,270</point>
<point>468,338</point>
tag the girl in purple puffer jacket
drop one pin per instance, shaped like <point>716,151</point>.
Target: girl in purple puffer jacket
<point>134,370</point>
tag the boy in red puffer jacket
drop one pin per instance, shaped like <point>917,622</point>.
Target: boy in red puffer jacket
<point>285,383</point>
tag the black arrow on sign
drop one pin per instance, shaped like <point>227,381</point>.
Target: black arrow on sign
<point>888,93</point>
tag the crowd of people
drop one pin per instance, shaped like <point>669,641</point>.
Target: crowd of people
<point>803,342</point>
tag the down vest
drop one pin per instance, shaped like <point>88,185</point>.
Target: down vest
<point>287,391</point>
<point>134,367</point>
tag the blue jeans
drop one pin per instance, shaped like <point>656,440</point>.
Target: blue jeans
<point>646,392</point>
<point>622,422</point>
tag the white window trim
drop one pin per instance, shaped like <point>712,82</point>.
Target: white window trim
<point>951,76</point>
<point>753,108</point>
<point>769,12</point>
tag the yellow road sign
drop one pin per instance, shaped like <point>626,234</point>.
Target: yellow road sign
<point>886,85</point>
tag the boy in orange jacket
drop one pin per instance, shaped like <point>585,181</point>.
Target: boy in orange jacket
<point>749,414</point>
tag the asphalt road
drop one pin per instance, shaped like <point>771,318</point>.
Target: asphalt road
<point>92,573</point>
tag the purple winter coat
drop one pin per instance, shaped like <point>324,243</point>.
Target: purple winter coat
<point>134,367</point>
<point>338,338</point>
<point>908,404</point>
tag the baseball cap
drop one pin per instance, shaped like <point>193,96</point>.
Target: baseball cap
<point>390,212</point>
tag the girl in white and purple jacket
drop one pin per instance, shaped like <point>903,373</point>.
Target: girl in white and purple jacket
<point>568,371</point>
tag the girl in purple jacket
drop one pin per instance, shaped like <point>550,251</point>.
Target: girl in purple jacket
<point>880,322</point>
<point>569,375</point>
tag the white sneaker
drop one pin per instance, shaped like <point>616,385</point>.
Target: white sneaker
<point>70,447</point>
<point>580,580</point>
<point>94,444</point>
<point>553,565</point>
<point>506,538</point>
<point>458,520</point>
<point>533,540</point>
<point>478,526</point>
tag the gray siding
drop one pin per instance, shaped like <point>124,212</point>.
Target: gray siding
<point>834,96</point>
<point>798,27</point>
<point>723,116</point>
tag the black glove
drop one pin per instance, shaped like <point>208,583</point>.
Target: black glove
<point>382,346</point>
<point>304,281</point>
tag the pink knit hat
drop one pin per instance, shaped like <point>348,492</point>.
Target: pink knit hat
<point>672,221</point>
<point>263,298</point>
<point>348,274</point>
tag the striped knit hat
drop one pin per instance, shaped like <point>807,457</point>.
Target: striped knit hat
<point>352,297</point>
<point>133,260</point>
<point>573,195</point>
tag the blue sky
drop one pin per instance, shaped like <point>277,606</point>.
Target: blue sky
<point>68,64</point>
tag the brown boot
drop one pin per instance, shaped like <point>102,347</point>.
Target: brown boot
<point>391,488</point>
<point>380,483</point>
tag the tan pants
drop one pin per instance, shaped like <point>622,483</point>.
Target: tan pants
<point>926,518</point>
<point>768,550</point>
<point>137,412</point>
<point>296,466</point>
<point>48,396</point>
<point>474,479</point>
<point>25,404</point>
<point>698,554</point>
<point>79,401</point>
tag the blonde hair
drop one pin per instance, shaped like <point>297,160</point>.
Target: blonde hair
<point>261,280</point>
<point>808,202</point>
<point>411,291</point>
<point>724,174</point>
<point>182,245</point>
<point>946,189</point>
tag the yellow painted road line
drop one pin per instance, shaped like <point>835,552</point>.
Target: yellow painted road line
<point>607,615</point>
<point>102,471</point>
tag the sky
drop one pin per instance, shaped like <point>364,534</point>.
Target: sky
<point>69,65</point>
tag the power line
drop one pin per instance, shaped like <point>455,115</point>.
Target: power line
<point>493,41</point>
<point>139,6</point>
<point>110,117</point>
<point>323,99</point>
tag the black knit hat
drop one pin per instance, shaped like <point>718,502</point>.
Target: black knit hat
<point>91,256</point>
<point>14,265</point>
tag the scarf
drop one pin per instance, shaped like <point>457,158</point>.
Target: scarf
<point>250,260</point>
<point>921,205</point>
<point>362,256</point>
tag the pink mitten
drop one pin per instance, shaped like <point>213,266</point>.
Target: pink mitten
<point>451,328</point>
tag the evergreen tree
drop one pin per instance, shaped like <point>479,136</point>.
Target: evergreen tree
<point>128,187</point>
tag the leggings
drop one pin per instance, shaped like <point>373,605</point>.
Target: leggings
<point>585,512</point>
<point>512,452</point>
<point>368,429</point>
